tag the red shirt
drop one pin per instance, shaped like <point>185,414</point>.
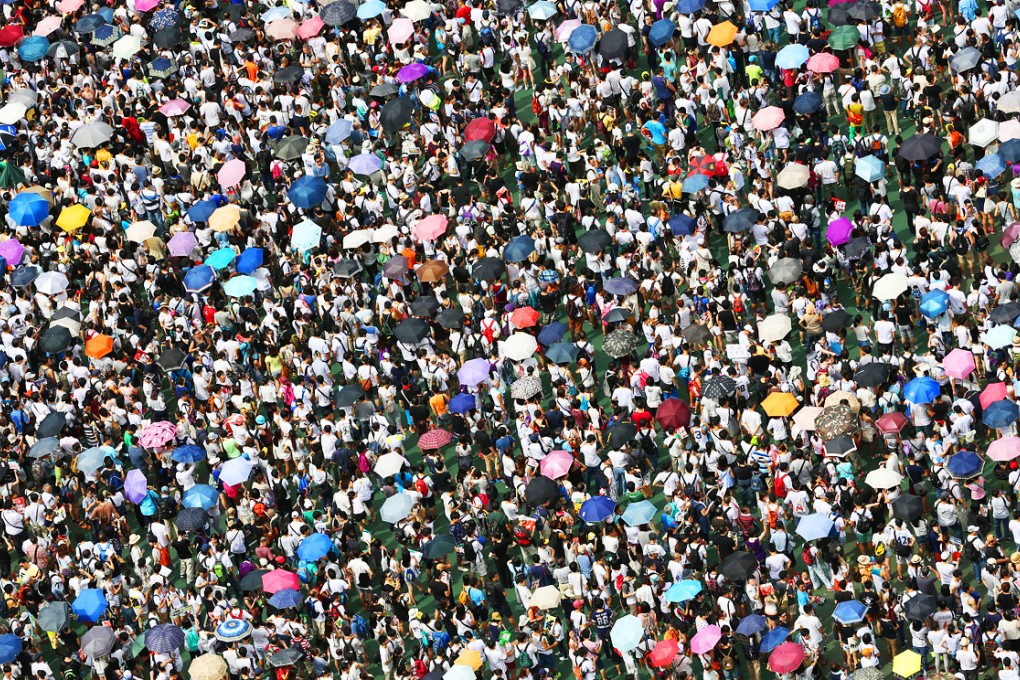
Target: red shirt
<point>641,417</point>
<point>465,14</point>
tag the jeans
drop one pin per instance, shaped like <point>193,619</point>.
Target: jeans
<point>1001,527</point>
<point>923,651</point>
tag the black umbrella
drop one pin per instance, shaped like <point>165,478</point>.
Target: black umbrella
<point>921,147</point>
<point>285,657</point>
<point>192,519</point>
<point>242,35</point>
<point>1006,313</point>
<point>719,387</point>
<point>44,447</point>
<point>384,90</point>
<point>474,150</point>
<point>63,49</point>
<point>52,425</point>
<point>540,490</point>
<point>759,363</point>
<point>739,566</point>
<point>411,331</point>
<point>338,13</point>
<point>920,607</point>
<point>22,276</point>
<point>434,675</point>
<point>488,269</point>
<point>290,74</point>
<point>395,267</point>
<point>594,241</point>
<point>451,317</point>
<point>89,24</point>
<point>840,446</point>
<point>697,333</point>
<point>613,44</point>
<point>172,360</point>
<point>840,16</point>
<point>857,248</point>
<point>426,305</point>
<point>837,320</point>
<point>617,315</point>
<point>290,148</point>
<point>252,581</point>
<point>55,339</point>
<point>741,220</point>
<point>908,507</point>
<point>507,7</point>
<point>347,268</point>
<point>620,435</point>
<point>396,113</point>
<point>439,547</point>
<point>866,10</point>
<point>349,394</point>
<point>873,374</point>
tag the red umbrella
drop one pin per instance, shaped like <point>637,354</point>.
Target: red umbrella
<point>663,653</point>
<point>434,439</point>
<point>994,392</point>
<point>525,317</point>
<point>705,165</point>
<point>891,422</point>
<point>11,34</point>
<point>786,658</point>
<point>673,414</point>
<point>480,128</point>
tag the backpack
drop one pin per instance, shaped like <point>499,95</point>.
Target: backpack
<point>971,552</point>
<point>359,626</point>
<point>899,15</point>
<point>806,555</point>
<point>754,282</point>
<point>522,535</point>
<point>487,36</point>
<point>960,243</point>
<point>523,659</point>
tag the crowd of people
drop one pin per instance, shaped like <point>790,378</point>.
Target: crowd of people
<point>476,339</point>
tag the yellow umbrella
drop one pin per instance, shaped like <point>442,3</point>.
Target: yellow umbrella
<point>208,667</point>
<point>225,217</point>
<point>73,217</point>
<point>722,34</point>
<point>906,664</point>
<point>469,657</point>
<point>779,404</point>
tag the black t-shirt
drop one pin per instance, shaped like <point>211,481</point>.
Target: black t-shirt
<point>902,315</point>
<point>632,145</point>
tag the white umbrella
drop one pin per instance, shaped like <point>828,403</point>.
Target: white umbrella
<point>417,10</point>
<point>883,478</point>
<point>520,346</point>
<point>12,113</point>
<point>236,471</point>
<point>546,597</point>
<point>891,286</point>
<point>127,47</point>
<point>804,419</point>
<point>1010,102</point>
<point>774,328</point>
<point>386,232</point>
<point>1009,129</point>
<point>983,132</point>
<point>389,464</point>
<point>358,238</point>
<point>460,672</point>
<point>794,176</point>
<point>140,231</point>
<point>51,283</point>
<point>396,507</point>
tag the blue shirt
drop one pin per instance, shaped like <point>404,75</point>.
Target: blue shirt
<point>657,130</point>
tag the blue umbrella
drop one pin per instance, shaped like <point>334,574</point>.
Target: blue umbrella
<point>339,131</point>
<point>33,48</point>
<point>519,248</point>
<point>28,209</point>
<point>10,647</point>
<point>639,513</point>
<point>1000,413</point>
<point>543,10</point>
<point>1010,150</point>
<point>689,6</point>
<point>92,459</point>
<point>814,526</point>
<point>627,633</point>
<point>807,102</point>
<point>681,225</point>
<point>921,390</point>
<point>695,183</point>
<point>620,285</point>
<point>106,13</point>
<point>682,591</point>
<point>232,630</point>
<point>164,638</point>
<point>751,625</point>
<point>89,24</point>
<point>188,454</point>
<point>965,465</point>
<point>552,333</point>
<point>462,403</point>
<point>305,236</point>
<point>661,32</point>
<point>364,163</point>
<point>314,547</point>
<point>240,286</point>
<point>793,56</point>
<point>90,605</point>
<point>562,353</point>
<point>221,258</point>
<point>199,279</point>
<point>165,18</point>
<point>849,612</point>
<point>371,9</point>
<point>250,260</point>
<point>991,166</point>
<point>201,211</point>
<point>162,67</point>
<point>597,509</point>
<point>774,638</point>
<point>763,5</point>
<point>286,598</point>
<point>201,496</point>
<point>583,38</point>
<point>274,13</point>
<point>307,192</point>
<point>105,35</point>
<point>869,168</point>
<point>934,303</point>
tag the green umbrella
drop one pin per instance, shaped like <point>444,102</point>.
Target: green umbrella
<point>844,37</point>
<point>11,176</point>
<point>291,148</point>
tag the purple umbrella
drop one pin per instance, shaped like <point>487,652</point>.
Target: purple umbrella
<point>839,231</point>
<point>412,72</point>
<point>182,244</point>
<point>136,486</point>
<point>12,251</point>
<point>474,372</point>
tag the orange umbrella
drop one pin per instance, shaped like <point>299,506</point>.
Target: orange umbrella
<point>722,34</point>
<point>99,346</point>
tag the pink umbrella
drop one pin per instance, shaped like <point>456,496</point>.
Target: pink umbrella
<point>785,658</point>
<point>823,62</point>
<point>310,27</point>
<point>136,486</point>
<point>768,118</point>
<point>400,31</point>
<point>1011,234</point>
<point>1004,449</point>
<point>182,243</point>
<point>146,5</point>
<point>69,6</point>
<point>994,392</point>
<point>564,30</point>
<point>175,107</point>
<point>282,29</point>
<point>12,251</point>
<point>47,26</point>
<point>839,231</point>
<point>431,228</point>
<point>280,579</point>
<point>557,464</point>
<point>231,173</point>
<point>959,363</point>
<point>158,434</point>
<point>706,639</point>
